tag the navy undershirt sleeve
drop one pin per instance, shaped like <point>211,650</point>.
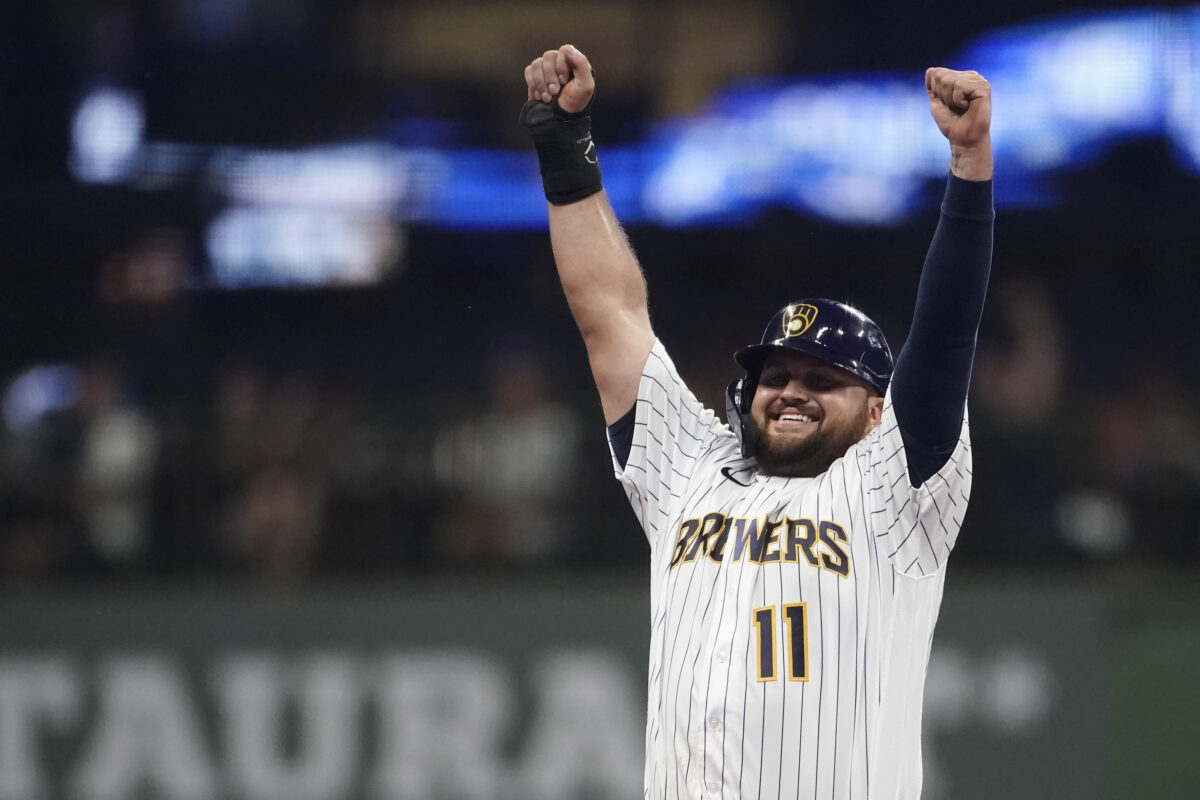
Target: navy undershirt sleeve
<point>620,436</point>
<point>933,370</point>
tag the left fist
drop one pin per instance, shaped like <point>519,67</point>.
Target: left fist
<point>961,104</point>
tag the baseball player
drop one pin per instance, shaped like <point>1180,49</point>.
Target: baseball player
<point>798,553</point>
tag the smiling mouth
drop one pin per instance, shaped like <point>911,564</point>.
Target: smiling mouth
<point>793,419</point>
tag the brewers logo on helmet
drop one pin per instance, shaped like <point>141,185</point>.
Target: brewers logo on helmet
<point>797,318</point>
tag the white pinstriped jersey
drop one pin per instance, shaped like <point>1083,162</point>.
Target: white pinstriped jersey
<point>791,618</point>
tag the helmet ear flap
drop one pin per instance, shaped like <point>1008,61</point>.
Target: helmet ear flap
<point>738,397</point>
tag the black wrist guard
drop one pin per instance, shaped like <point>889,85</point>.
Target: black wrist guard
<point>566,153</point>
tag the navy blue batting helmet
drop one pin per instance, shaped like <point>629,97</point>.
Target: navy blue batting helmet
<point>826,329</point>
<point>831,331</point>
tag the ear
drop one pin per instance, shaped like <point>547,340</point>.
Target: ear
<point>739,396</point>
<point>874,412</point>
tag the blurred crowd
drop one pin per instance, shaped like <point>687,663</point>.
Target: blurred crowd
<point>285,475</point>
<point>1068,472</point>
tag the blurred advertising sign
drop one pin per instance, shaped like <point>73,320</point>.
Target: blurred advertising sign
<point>499,690</point>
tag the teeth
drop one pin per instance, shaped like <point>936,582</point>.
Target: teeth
<point>796,417</point>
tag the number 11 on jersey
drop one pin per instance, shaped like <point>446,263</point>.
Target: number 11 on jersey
<point>795,641</point>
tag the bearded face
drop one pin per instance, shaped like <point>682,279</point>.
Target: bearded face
<point>807,413</point>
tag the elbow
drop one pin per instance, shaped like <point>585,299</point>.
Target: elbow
<point>602,314</point>
<point>601,323</point>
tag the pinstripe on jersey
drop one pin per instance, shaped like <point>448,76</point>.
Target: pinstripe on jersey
<point>791,617</point>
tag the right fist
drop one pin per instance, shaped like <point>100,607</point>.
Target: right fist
<point>961,105</point>
<point>563,73</point>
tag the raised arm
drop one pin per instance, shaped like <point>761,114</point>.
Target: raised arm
<point>600,275</point>
<point>933,370</point>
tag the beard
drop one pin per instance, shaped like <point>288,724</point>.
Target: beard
<point>812,455</point>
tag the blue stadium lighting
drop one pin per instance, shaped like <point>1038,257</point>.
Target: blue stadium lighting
<point>106,135</point>
<point>793,143</point>
<point>798,143</point>
<point>39,392</point>
<point>295,246</point>
<point>1182,62</point>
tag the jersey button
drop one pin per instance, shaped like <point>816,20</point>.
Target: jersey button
<point>721,656</point>
<point>714,787</point>
<point>714,722</point>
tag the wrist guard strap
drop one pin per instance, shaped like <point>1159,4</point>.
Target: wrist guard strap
<point>566,153</point>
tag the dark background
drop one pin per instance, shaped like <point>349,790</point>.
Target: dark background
<point>1085,430</point>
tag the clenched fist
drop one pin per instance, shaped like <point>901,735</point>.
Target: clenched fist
<point>563,73</point>
<point>961,105</point>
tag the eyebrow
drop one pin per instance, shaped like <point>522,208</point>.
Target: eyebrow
<point>816,372</point>
<point>821,369</point>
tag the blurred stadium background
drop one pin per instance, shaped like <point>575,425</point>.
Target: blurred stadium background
<point>304,491</point>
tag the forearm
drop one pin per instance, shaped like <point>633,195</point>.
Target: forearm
<point>954,277</point>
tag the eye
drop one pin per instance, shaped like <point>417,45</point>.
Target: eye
<point>822,380</point>
<point>771,377</point>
